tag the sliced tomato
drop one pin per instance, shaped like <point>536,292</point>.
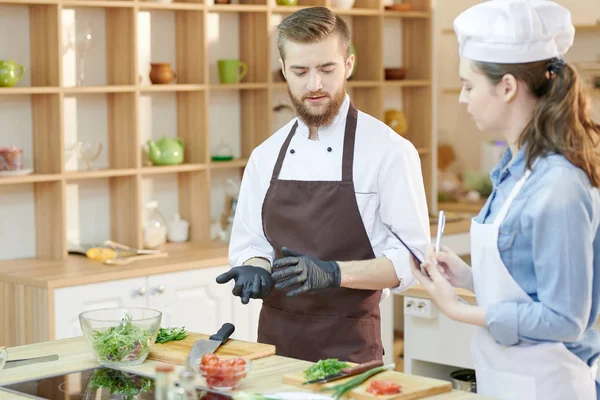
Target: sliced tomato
<point>379,387</point>
<point>209,358</point>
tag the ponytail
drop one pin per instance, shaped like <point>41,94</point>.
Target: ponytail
<point>561,121</point>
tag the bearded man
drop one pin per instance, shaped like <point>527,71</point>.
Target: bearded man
<point>331,208</point>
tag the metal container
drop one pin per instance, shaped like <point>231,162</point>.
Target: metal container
<point>464,379</point>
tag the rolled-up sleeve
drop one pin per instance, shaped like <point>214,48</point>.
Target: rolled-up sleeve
<point>403,209</point>
<point>247,235</point>
<point>559,219</point>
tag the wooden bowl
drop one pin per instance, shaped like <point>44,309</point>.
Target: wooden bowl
<point>395,74</point>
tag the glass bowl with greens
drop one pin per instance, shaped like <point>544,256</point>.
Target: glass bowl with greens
<point>120,336</point>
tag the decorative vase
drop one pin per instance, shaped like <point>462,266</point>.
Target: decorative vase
<point>161,73</point>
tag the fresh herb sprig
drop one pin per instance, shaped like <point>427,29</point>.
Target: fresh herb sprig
<point>343,388</point>
<point>323,368</point>
<point>171,334</point>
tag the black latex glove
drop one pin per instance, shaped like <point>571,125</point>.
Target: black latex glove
<point>250,282</point>
<point>311,273</point>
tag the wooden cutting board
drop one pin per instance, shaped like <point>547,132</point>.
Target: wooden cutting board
<point>176,352</point>
<point>413,387</point>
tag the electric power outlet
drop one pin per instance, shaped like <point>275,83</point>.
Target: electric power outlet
<point>422,308</point>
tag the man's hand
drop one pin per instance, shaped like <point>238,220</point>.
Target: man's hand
<point>311,273</point>
<point>250,282</point>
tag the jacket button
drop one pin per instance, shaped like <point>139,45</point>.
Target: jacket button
<point>329,149</point>
<point>292,151</point>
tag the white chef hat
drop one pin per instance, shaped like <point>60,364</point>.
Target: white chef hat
<point>514,31</point>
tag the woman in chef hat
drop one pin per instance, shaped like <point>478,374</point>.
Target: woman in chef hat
<point>535,246</point>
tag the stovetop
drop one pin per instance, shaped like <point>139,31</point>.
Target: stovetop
<point>95,384</point>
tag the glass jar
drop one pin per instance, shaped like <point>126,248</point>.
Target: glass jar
<point>154,226</point>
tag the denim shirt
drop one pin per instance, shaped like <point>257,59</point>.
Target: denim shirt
<point>550,245</point>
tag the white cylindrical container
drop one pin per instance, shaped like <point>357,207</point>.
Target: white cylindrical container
<point>178,229</point>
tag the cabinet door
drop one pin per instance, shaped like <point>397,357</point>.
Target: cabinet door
<point>192,299</point>
<point>246,318</point>
<point>69,302</point>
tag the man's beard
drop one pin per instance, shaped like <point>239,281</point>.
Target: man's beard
<point>324,118</point>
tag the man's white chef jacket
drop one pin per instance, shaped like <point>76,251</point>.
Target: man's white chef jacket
<point>387,179</point>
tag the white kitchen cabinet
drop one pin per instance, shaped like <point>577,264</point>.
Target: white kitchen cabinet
<point>189,298</point>
<point>192,299</point>
<point>69,302</point>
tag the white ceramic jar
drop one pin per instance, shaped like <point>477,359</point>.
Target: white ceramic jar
<point>178,229</point>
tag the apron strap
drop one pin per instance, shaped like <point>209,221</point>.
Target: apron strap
<point>513,194</point>
<point>349,139</point>
<point>283,150</point>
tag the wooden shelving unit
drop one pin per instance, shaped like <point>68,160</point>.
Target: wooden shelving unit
<point>193,91</point>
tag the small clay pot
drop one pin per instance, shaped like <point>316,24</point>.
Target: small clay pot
<point>161,73</point>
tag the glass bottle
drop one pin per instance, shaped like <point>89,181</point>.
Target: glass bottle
<point>162,382</point>
<point>187,378</point>
<point>154,225</point>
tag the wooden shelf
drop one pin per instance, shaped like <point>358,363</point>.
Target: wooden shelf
<point>33,178</point>
<point>171,88</point>
<point>408,83</point>
<point>28,2</point>
<point>170,169</point>
<point>407,14</point>
<point>99,89</point>
<point>363,84</point>
<point>451,91</point>
<point>99,173</point>
<point>28,90</point>
<point>240,163</point>
<point>237,8</point>
<point>238,86</point>
<point>93,3</point>
<point>357,12</point>
<point>120,101</point>
<point>170,6</point>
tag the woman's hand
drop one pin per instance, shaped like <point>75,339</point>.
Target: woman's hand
<point>452,267</point>
<point>438,287</point>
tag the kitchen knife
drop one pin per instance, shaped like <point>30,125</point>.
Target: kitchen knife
<point>346,372</point>
<point>202,347</point>
<point>28,361</point>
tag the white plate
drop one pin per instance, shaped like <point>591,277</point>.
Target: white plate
<point>18,172</point>
<point>297,396</point>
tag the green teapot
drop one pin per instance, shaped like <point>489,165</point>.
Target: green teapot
<point>166,151</point>
<point>10,73</point>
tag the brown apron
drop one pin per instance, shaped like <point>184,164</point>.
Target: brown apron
<point>321,219</point>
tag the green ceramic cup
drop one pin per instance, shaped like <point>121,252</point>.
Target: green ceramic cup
<point>232,71</point>
<point>10,73</point>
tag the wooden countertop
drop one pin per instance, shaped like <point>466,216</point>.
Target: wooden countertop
<point>79,270</point>
<point>265,376</point>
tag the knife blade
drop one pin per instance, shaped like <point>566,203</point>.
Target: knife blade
<point>204,346</point>
<point>27,361</point>
<point>346,372</point>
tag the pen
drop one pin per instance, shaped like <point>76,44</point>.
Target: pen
<point>440,230</point>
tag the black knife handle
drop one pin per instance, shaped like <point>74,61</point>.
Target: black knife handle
<point>223,334</point>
